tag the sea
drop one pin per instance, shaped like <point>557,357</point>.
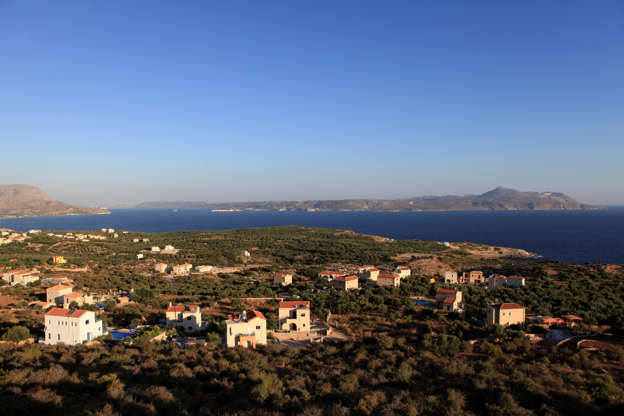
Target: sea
<point>595,236</point>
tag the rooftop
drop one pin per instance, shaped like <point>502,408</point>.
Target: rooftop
<point>68,313</point>
<point>294,303</point>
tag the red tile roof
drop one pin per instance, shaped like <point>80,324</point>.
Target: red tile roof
<point>329,272</point>
<point>255,314</point>
<point>69,313</point>
<point>509,306</point>
<point>442,290</point>
<point>182,308</point>
<point>74,295</point>
<point>403,268</point>
<point>21,271</point>
<point>289,304</point>
<point>448,300</point>
<point>59,287</point>
<point>389,276</point>
<point>346,278</point>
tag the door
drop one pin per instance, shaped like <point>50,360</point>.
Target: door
<point>88,336</point>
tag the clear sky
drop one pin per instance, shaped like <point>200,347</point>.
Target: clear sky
<point>105,102</point>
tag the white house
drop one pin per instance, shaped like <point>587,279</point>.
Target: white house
<point>247,331</point>
<point>451,277</point>
<point>71,327</point>
<point>184,316</point>
<point>403,271</point>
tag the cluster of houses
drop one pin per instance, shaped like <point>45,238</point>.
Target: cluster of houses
<point>9,236</point>
<point>475,277</point>
<point>79,236</point>
<point>367,273</point>
<point>181,269</point>
<point>168,249</point>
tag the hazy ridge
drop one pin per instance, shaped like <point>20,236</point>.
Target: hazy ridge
<point>496,199</point>
<point>30,201</point>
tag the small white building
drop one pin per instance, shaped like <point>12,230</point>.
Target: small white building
<point>160,267</point>
<point>71,327</point>
<point>204,269</point>
<point>155,249</point>
<point>403,271</point>
<point>140,256</point>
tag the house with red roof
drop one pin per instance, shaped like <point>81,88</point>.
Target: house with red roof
<point>21,277</point>
<point>71,326</point>
<point>506,314</point>
<point>187,317</point>
<point>345,283</point>
<point>403,271</point>
<point>449,300</point>
<point>247,331</point>
<point>294,315</point>
<point>389,279</point>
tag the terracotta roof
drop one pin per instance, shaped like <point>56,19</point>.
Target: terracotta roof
<point>59,287</point>
<point>573,318</point>
<point>389,276</point>
<point>374,269</point>
<point>442,290</point>
<point>255,314</point>
<point>182,308</point>
<point>403,268</point>
<point>448,300</point>
<point>74,295</point>
<point>69,313</point>
<point>294,303</point>
<point>346,278</point>
<point>21,271</point>
<point>330,272</point>
<point>509,306</point>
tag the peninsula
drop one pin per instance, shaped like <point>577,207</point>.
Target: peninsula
<point>496,199</point>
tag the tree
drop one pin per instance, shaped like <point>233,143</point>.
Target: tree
<point>16,333</point>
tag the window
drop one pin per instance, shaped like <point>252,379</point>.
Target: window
<point>49,335</point>
<point>303,314</point>
<point>58,337</point>
<point>87,322</point>
<point>257,326</point>
<point>230,331</point>
<point>188,318</point>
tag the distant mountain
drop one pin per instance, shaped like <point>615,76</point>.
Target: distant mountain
<point>496,199</point>
<point>30,201</point>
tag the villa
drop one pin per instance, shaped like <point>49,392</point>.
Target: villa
<point>56,293</point>
<point>71,327</point>
<point>20,277</point>
<point>449,300</point>
<point>505,314</point>
<point>187,317</point>
<point>403,271</point>
<point>247,331</point>
<point>389,279</point>
<point>345,283</point>
<point>294,315</point>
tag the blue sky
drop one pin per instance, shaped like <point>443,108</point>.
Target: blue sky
<point>126,101</point>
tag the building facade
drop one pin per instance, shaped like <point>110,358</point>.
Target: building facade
<point>451,278</point>
<point>505,314</point>
<point>345,283</point>
<point>71,327</point>
<point>247,331</point>
<point>56,293</point>
<point>389,279</point>
<point>187,317</point>
<point>294,315</point>
<point>449,300</point>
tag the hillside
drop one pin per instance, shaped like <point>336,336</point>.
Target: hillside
<point>496,199</point>
<point>30,201</point>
